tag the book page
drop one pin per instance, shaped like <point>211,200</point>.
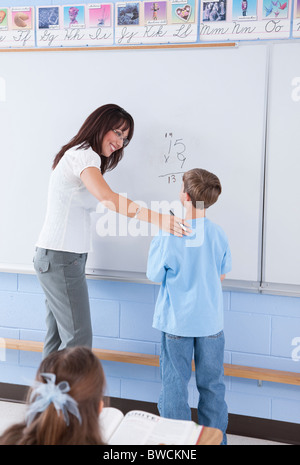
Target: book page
<point>145,428</point>
<point>109,419</point>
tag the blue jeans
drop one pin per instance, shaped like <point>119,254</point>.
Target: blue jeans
<point>175,365</point>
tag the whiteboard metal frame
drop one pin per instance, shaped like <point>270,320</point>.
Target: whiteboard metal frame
<point>264,167</point>
<point>291,290</point>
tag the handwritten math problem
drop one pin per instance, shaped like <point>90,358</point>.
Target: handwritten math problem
<point>174,158</point>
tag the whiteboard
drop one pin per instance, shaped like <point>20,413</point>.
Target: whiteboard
<point>282,217</point>
<point>192,108</point>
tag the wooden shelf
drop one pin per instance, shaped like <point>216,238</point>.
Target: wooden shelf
<point>236,371</point>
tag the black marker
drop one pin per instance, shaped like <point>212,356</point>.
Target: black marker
<point>180,224</point>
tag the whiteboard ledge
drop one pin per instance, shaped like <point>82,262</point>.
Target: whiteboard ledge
<point>240,285</point>
<point>228,285</point>
<point>291,290</point>
<point>134,277</point>
<point>112,275</point>
<point>17,269</point>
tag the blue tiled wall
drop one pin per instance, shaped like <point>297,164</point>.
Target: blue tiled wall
<point>259,331</point>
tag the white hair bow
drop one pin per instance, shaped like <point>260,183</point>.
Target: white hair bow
<point>43,394</point>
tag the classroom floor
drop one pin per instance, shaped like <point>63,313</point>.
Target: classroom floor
<point>12,412</point>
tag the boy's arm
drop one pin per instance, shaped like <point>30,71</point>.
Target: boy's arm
<point>226,263</point>
<point>156,266</point>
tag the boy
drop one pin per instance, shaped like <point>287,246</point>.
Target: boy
<point>189,307</point>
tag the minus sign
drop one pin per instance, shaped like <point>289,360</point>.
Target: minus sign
<point>170,174</point>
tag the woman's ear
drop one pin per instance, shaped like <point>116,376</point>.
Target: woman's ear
<point>101,406</point>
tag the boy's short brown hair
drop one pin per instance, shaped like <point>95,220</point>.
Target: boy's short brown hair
<point>202,186</point>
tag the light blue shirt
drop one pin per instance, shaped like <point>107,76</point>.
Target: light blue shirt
<point>190,300</point>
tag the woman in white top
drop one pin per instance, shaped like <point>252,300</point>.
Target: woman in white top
<point>76,184</point>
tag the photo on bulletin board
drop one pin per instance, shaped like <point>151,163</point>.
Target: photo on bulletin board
<point>183,12</point>
<point>128,14</point>
<point>244,10</point>
<point>99,15</point>
<point>48,17</point>
<point>3,18</point>
<point>297,8</point>
<point>22,18</point>
<point>273,9</point>
<point>155,12</point>
<point>74,16</point>
<point>214,11</point>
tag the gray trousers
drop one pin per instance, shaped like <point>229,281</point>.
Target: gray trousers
<point>62,277</point>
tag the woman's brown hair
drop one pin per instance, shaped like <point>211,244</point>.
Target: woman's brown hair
<point>91,133</point>
<point>83,371</point>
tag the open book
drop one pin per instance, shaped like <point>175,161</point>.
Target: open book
<point>138,427</point>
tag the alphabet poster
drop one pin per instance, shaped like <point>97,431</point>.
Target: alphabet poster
<point>245,19</point>
<point>75,25</point>
<point>17,27</point>
<point>161,22</point>
<point>148,22</point>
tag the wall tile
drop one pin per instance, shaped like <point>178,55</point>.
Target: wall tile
<point>113,290</point>
<point>22,376</point>
<point>29,283</point>
<point>8,356</point>
<point>265,304</point>
<point>244,404</point>
<point>130,371</point>
<point>113,387</point>
<point>124,345</point>
<point>285,410</point>
<point>140,390</point>
<point>245,332</point>
<point>136,322</point>
<point>105,317</point>
<point>21,310</point>
<point>11,333</point>
<point>30,359</point>
<point>285,337</point>
<point>32,335</point>
<point>8,282</point>
<point>226,300</point>
<point>266,361</point>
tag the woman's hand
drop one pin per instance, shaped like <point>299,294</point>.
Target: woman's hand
<point>175,225</point>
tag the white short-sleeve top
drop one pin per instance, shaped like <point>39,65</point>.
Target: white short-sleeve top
<point>67,226</point>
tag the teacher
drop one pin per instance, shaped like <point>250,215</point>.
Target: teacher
<point>76,184</point>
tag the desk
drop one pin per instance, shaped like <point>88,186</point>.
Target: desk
<point>210,437</point>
